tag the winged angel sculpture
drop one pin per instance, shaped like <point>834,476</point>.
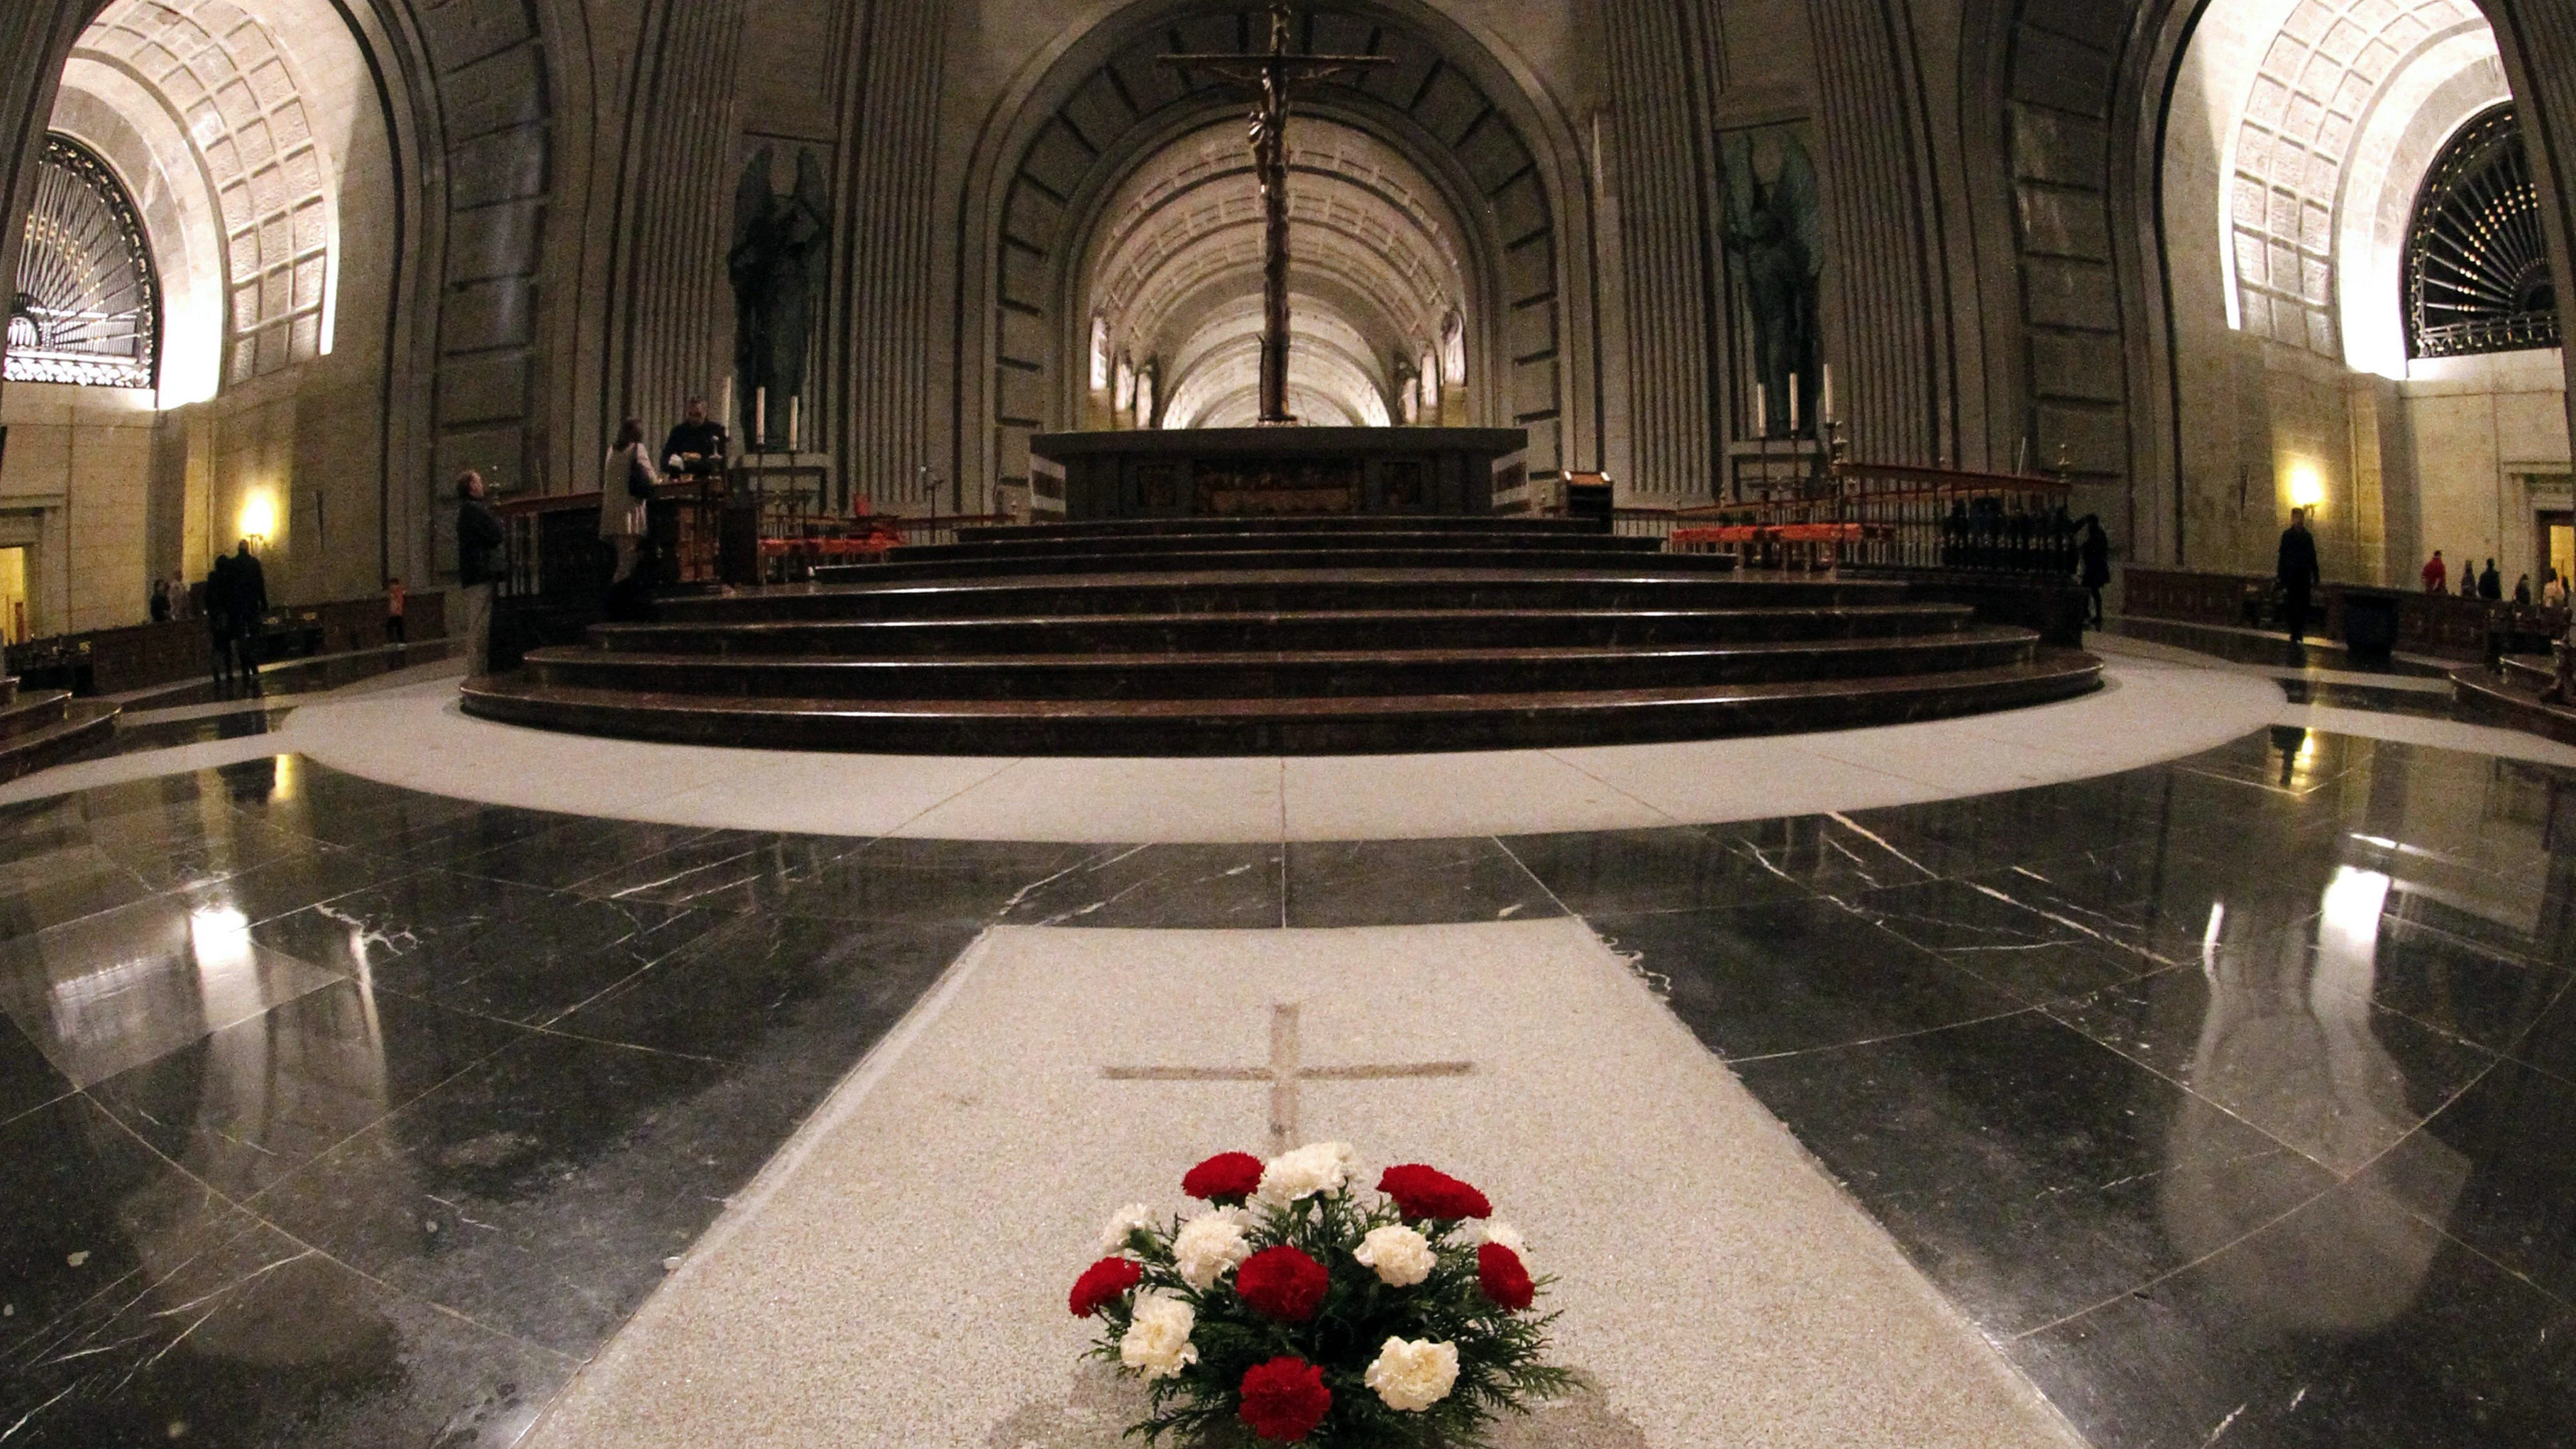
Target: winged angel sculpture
<point>782,247</point>
<point>1777,237</point>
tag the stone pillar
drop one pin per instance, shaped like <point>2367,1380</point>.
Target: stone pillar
<point>1662,178</point>
<point>888,212</point>
<point>2538,38</point>
<point>1885,313</point>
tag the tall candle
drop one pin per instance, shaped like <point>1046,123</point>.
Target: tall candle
<point>726,417</point>
<point>1793,404</point>
<point>1762,410</point>
<point>760,418</point>
<point>1825,408</point>
<point>795,422</point>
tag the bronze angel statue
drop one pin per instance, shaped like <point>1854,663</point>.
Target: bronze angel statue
<point>782,249</point>
<point>1777,238</point>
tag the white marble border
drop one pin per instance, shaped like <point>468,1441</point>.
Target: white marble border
<point>2159,705</point>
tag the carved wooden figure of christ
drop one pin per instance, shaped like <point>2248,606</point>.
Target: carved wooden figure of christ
<point>1273,75</point>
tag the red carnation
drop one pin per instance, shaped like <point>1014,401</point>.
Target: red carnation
<point>1500,1274</point>
<point>1104,1283</point>
<point>1226,1179</point>
<point>1284,1399</point>
<point>1424,1192</point>
<point>1283,1283</point>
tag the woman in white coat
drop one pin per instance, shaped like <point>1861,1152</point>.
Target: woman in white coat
<point>625,485</point>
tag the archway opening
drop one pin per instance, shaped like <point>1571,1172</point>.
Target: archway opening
<point>2303,137</point>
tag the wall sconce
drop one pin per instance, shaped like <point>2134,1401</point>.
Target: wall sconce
<point>259,518</point>
<point>2307,489</point>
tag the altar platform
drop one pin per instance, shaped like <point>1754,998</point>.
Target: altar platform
<point>1277,472</point>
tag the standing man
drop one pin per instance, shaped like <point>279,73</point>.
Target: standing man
<point>250,612</point>
<point>396,631</point>
<point>2437,575</point>
<point>697,447</point>
<point>478,570</point>
<point>2298,572</point>
<point>2491,584</point>
<point>219,619</point>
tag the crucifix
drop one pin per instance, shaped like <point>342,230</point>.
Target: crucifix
<point>1285,1072</point>
<point>1273,75</point>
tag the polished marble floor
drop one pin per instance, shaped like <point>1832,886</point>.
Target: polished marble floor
<point>2229,1097</point>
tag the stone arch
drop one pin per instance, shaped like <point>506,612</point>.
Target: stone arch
<point>1099,102</point>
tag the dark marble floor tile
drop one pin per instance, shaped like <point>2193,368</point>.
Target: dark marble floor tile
<point>1796,976</point>
<point>262,1341</point>
<point>722,870</point>
<point>88,1206</point>
<point>2019,827</point>
<point>451,842</point>
<point>308,876</point>
<point>1411,882</point>
<point>1163,887</point>
<point>514,952</point>
<point>575,851</point>
<point>343,809</point>
<point>245,1106</point>
<point>805,992</point>
<point>62,887</point>
<point>1841,856</point>
<point>27,1080</point>
<point>540,1192</point>
<point>2348,1325</point>
<point>2029,1172</point>
<point>2035,954</point>
<point>2266,1033</point>
<point>2167,910</point>
<point>115,990</point>
<point>2452,986</point>
<point>2494,1170</point>
<point>1628,872</point>
<point>930,880</point>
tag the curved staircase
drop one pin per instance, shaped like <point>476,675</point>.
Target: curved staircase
<point>1279,636</point>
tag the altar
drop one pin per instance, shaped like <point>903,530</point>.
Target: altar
<point>1276,472</point>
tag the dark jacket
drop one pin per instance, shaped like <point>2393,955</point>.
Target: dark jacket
<point>478,542</point>
<point>2298,568</point>
<point>2491,585</point>
<point>250,592</point>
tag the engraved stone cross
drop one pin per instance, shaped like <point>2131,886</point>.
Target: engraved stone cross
<point>1285,1072</point>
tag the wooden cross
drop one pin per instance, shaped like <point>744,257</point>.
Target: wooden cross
<point>1274,74</point>
<point>1284,1073</point>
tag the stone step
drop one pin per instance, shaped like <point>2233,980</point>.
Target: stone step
<point>1316,630</point>
<point>80,725</point>
<point>1375,523</point>
<point>1373,724</point>
<point>1118,546</point>
<point>1312,675</point>
<point>27,713</point>
<point>973,565</point>
<point>2494,699</point>
<point>1281,591</point>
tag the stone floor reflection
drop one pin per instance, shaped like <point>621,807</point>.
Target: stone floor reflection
<point>2228,1096</point>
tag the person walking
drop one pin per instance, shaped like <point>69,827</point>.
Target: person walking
<point>2298,572</point>
<point>2437,574</point>
<point>625,497</point>
<point>219,620</point>
<point>250,612</point>
<point>2094,558</point>
<point>396,631</point>
<point>2491,584</point>
<point>479,537</point>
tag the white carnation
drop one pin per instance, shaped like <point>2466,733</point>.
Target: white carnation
<point>1401,1256</point>
<point>1494,1230</point>
<point>1135,1215</point>
<point>1413,1375</point>
<point>1210,1246</point>
<point>1158,1344</point>
<point>1316,1167</point>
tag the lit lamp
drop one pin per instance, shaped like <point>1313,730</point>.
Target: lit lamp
<point>2307,490</point>
<point>259,519</point>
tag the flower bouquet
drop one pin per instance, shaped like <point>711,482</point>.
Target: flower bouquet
<point>1295,1310</point>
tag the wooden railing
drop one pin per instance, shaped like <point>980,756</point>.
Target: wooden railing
<point>1883,516</point>
<point>139,656</point>
<point>2440,626</point>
